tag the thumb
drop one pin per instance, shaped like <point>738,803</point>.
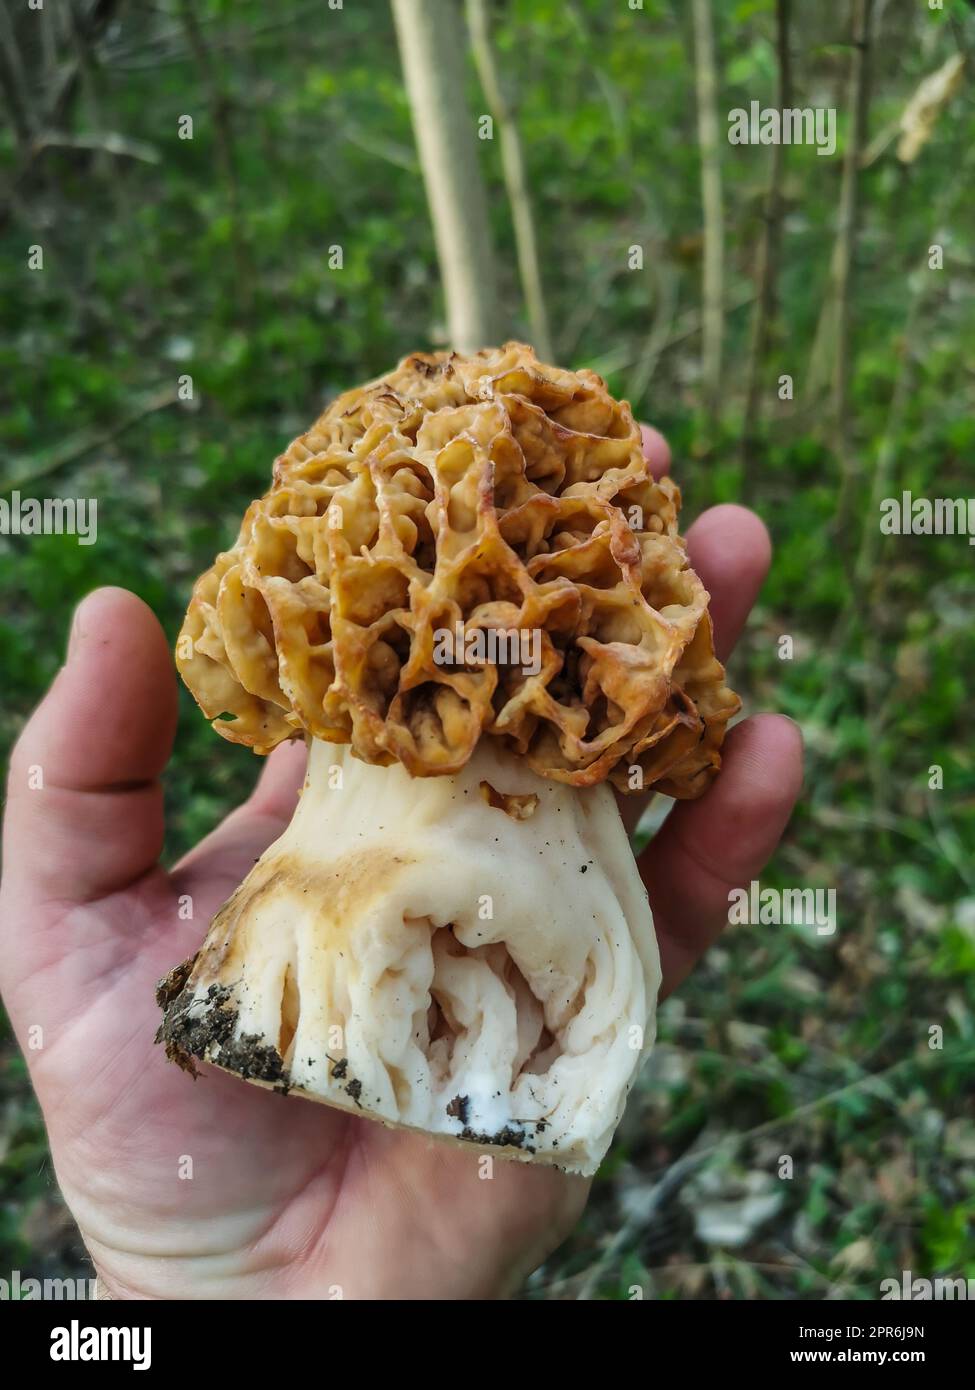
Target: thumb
<point>84,804</point>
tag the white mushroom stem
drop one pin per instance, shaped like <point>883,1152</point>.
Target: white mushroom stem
<point>471,956</point>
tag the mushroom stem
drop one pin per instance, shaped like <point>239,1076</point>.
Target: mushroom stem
<point>471,956</point>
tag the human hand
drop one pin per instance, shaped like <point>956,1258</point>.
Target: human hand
<point>220,1190</point>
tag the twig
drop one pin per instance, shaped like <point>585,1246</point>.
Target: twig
<point>658,337</point>
<point>667,1186</point>
<point>389,150</point>
<point>674,1177</point>
<point>587,305</point>
<point>768,250</point>
<point>108,142</point>
<point>845,244</point>
<point>688,326</point>
<point>118,56</point>
<point>712,292</point>
<point>225,145</point>
<point>516,182</point>
<point>84,443</point>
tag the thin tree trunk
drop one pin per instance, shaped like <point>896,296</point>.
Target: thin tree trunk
<point>711,199</point>
<point>432,52</point>
<point>85,26</point>
<point>83,43</point>
<point>516,183</point>
<point>843,265</point>
<point>768,253</point>
<point>819,370</point>
<point>216,98</point>
<point>225,144</point>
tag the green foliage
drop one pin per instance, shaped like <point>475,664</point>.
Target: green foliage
<point>214,262</point>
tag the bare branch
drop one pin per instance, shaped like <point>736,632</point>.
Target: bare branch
<point>73,449</point>
<point>107,142</point>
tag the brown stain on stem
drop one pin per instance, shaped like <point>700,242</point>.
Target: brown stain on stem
<point>339,892</point>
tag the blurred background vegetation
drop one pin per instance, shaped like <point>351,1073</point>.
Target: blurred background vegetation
<point>210,258</point>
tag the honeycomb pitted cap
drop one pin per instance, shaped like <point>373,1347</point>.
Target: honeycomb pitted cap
<point>455,500</point>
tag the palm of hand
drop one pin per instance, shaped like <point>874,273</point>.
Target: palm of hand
<point>221,1190</point>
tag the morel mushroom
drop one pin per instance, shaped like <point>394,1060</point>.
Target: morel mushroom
<point>467,591</point>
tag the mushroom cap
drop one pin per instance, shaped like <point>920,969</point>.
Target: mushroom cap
<point>482,496</point>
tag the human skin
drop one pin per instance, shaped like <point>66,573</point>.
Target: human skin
<point>285,1199</point>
